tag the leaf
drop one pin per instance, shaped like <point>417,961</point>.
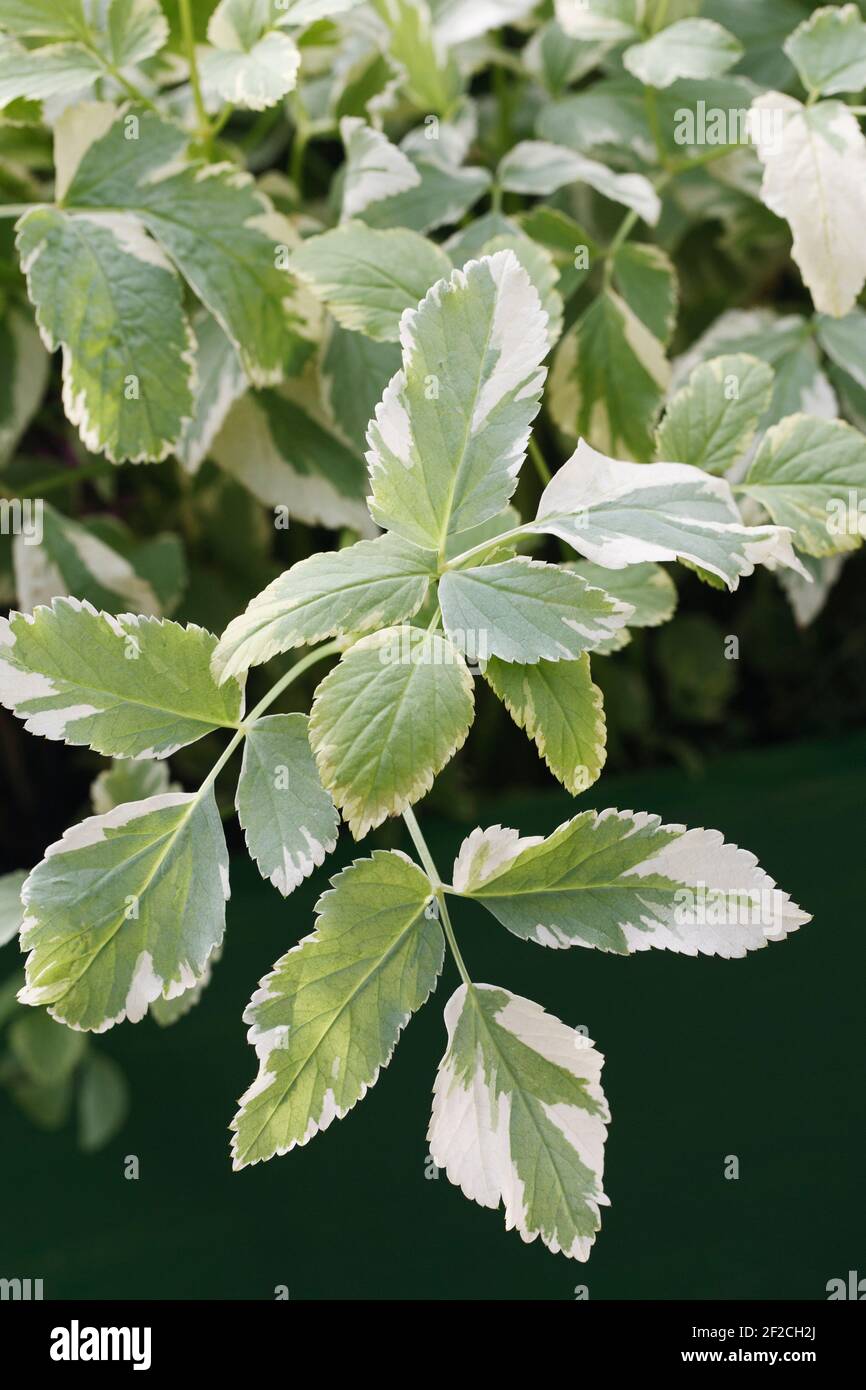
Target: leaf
<point>621,881</point>
<point>538,167</point>
<point>711,421</point>
<point>70,559</point>
<point>441,196</point>
<point>451,431</point>
<point>572,249</point>
<point>387,719</point>
<point>353,374</point>
<point>287,817</point>
<point>131,30</point>
<point>844,341</point>
<point>327,1019</point>
<point>460,20</point>
<point>647,589</point>
<point>103,1102</point>
<point>26,377</point>
<point>519,1117</point>
<point>48,19</point>
<point>126,686</point>
<point>220,381</point>
<point>697,48</point>
<point>646,279</point>
<point>539,266</point>
<point>431,78</point>
<point>48,1052</point>
<point>38,74</point>
<point>370,584</point>
<point>814,162</point>
<point>829,50</point>
<point>810,475</point>
<point>608,378</point>
<point>11,911</point>
<point>128,780</point>
<point>807,599</point>
<point>368,277</point>
<point>618,514</point>
<point>125,908</point>
<point>222,234</point>
<point>375,169</point>
<point>525,611</point>
<point>249,65</point>
<point>560,708</point>
<point>600,19</point>
<point>105,293</point>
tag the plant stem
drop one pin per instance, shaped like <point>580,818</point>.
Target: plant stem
<point>459,560</point>
<point>438,888</point>
<point>188,33</point>
<point>53,481</point>
<point>537,457</point>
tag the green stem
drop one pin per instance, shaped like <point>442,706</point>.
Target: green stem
<point>459,560</point>
<point>19,209</point>
<point>299,150</point>
<point>67,478</point>
<point>537,457</point>
<point>438,888</point>
<point>188,35</point>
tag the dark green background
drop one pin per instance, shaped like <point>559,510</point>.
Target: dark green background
<point>762,1058</point>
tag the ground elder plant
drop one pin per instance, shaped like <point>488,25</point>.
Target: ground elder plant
<point>510,208</point>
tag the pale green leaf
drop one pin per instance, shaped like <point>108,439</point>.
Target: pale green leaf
<point>129,779</point>
<point>70,559</point>
<point>11,911</point>
<point>541,269</point>
<point>519,1117</point>
<point>451,431</point>
<point>814,162</point>
<point>600,19</point>
<point>219,382</point>
<point>47,19</point>
<point>608,379</point>
<point>538,168</point>
<point>25,378</point>
<point>695,48</point>
<point>374,170</point>
<point>368,277</point>
<point>560,708</point>
<point>525,611</point>
<point>254,78</point>
<point>124,908</point>
<point>621,881</point>
<point>353,373</point>
<point>103,1101</point>
<point>646,279</point>
<point>287,816</point>
<point>326,1020</point>
<point>370,584</point>
<point>844,341</point>
<point>457,21</point>
<point>387,719</point>
<point>712,420</point>
<point>441,196</point>
<point>810,475</point>
<point>105,293</point>
<point>38,74</point>
<point>222,234</point>
<point>430,76</point>
<point>49,1052</point>
<point>829,50</point>
<point>647,588</point>
<point>130,31</point>
<point>127,686</point>
<point>619,514</point>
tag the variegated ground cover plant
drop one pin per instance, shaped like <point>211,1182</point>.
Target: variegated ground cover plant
<point>493,263</point>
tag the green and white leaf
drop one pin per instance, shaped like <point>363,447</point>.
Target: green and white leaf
<point>70,559</point>
<point>24,380</point>
<point>106,294</point>
<point>711,421</point>
<point>125,908</point>
<point>613,20</point>
<point>374,170</point>
<point>222,234</point>
<point>647,280</point>
<point>387,719</point>
<point>280,445</point>
<point>129,779</point>
<point>526,611</point>
<point>441,196</point>
<point>808,599</point>
<point>370,584</point>
<point>694,48</point>
<point>129,687</point>
<point>542,271</point>
<point>829,50</point>
<point>457,21</point>
<point>538,168</point>
<point>287,816</point>
<point>353,373</point>
<point>39,74</point>
<point>367,278</point>
<point>327,1019</point>
<point>621,881</point>
<point>561,709</point>
<point>844,341</point>
<point>451,431</point>
<point>130,31</point>
<point>219,381</point>
<point>647,589</point>
<point>810,475</point>
<point>608,379</point>
<point>247,64</point>
<point>619,514</point>
<point>11,911</point>
<point>814,162</point>
<point>519,1117</point>
<point>430,76</point>
<point>43,19</point>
